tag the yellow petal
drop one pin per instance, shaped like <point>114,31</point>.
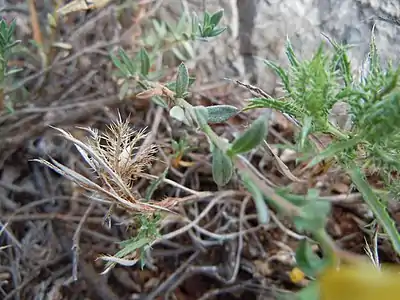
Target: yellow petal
<point>361,282</point>
<point>296,275</point>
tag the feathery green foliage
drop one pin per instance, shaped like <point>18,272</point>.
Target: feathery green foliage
<point>313,87</point>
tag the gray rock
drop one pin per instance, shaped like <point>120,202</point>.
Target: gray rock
<point>257,30</point>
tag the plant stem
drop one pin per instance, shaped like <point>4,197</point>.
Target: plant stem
<point>269,192</point>
<point>336,132</point>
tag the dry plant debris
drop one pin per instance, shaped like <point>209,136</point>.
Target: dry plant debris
<point>53,233</point>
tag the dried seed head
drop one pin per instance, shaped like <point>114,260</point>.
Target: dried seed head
<point>119,149</point>
<point>117,159</point>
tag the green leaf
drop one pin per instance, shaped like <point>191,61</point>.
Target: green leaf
<point>343,60</point>
<point>182,81</point>
<point>181,26</point>
<point>288,107</point>
<point>314,215</point>
<point>290,54</point>
<point>144,62</point>
<point>117,62</point>
<point>376,206</point>
<point>175,146</point>
<point>206,19</point>
<point>123,90</point>
<point>128,247</point>
<point>201,115</point>
<point>159,101</point>
<point>127,62</point>
<point>216,17</point>
<point>307,260</point>
<point>221,113</point>
<point>154,185</point>
<point>307,125</point>
<point>222,167</point>
<point>172,85</point>
<point>311,292</point>
<point>374,66</point>
<point>216,32</point>
<point>195,23</point>
<point>177,113</point>
<point>251,138</point>
<point>333,149</point>
<point>281,73</point>
<point>261,205</point>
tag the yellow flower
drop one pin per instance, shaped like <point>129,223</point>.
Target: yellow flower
<point>296,275</point>
<point>360,282</point>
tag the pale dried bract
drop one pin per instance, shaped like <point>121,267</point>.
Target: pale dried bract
<point>118,160</point>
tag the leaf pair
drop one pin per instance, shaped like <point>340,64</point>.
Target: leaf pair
<point>130,67</point>
<point>250,139</point>
<point>210,22</point>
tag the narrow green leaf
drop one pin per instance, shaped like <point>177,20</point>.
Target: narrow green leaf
<point>200,29</point>
<point>261,205</point>
<point>374,66</point>
<point>128,247</point>
<point>288,107</point>
<point>11,28</point>
<point>343,61</point>
<point>216,17</point>
<point>127,62</point>
<point>159,101</point>
<point>154,185</point>
<point>206,19</point>
<point>221,113</point>
<point>307,260</point>
<point>291,55</point>
<point>144,62</point>
<point>281,73</point>
<point>195,23</point>
<point>11,45</point>
<point>123,90</point>
<point>307,125</point>
<point>217,32</point>
<point>347,93</point>
<point>333,149</point>
<point>181,26</point>
<point>160,28</point>
<point>117,62</point>
<point>175,146</point>
<point>376,206</point>
<point>222,167</point>
<point>182,80</point>
<point>251,138</point>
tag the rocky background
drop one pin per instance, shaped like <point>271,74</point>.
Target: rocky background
<point>258,30</point>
